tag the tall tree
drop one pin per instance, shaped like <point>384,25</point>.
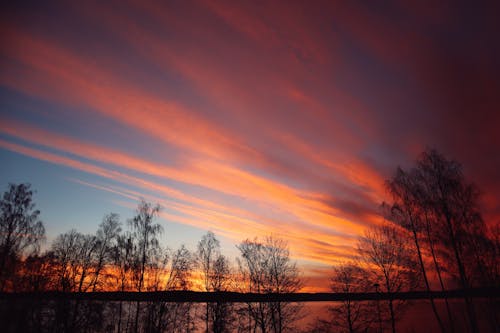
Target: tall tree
<point>20,228</point>
<point>73,254</point>
<point>454,204</point>
<point>252,271</point>
<point>122,259</point>
<point>65,249</point>
<point>220,311</point>
<point>178,315</point>
<point>145,235</point>
<point>207,252</point>
<point>351,316</point>
<point>267,268</point>
<point>385,251</point>
<point>170,270</point>
<point>106,238</point>
<point>406,211</point>
<point>431,238</point>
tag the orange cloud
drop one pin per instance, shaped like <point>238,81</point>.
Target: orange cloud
<point>57,74</point>
<point>229,221</point>
<point>214,149</point>
<point>275,196</point>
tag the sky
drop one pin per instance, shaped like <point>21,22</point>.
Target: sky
<point>244,118</point>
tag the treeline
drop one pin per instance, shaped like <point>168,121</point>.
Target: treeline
<point>432,238</point>
<point>130,258</point>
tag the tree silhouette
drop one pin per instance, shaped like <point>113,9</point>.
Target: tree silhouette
<point>74,255</point>
<point>144,232</point>
<point>432,240</point>
<point>179,315</point>
<point>266,268</point>
<point>454,204</point>
<point>351,316</point>
<point>385,252</point>
<point>215,273</point>
<point>436,204</point>
<point>220,312</point>
<point>433,214</point>
<point>169,271</point>
<point>106,238</point>
<point>20,229</point>
<point>407,211</point>
<point>122,259</point>
<point>67,250</point>
<point>208,251</point>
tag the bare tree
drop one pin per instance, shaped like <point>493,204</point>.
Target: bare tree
<point>385,252</point>
<point>431,238</point>
<point>122,258</point>
<point>73,254</point>
<point>106,237</point>
<point>175,271</point>
<point>66,248</point>
<point>86,249</point>
<point>440,208</point>
<point>220,312</point>
<point>208,250</point>
<point>215,272</point>
<point>266,268</point>
<point>252,265</point>
<point>156,267</point>
<point>454,205</point>
<point>20,228</point>
<point>407,211</point>
<point>351,316</point>
<point>145,233</point>
<point>181,318</point>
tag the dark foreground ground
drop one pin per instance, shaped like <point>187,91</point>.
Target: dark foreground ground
<point>183,311</point>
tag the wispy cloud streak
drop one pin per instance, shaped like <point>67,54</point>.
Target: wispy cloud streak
<point>252,119</point>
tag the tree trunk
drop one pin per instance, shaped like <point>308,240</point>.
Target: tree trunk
<point>136,324</point>
<point>120,317</point>
<point>440,278</point>
<point>349,319</point>
<point>424,274</point>
<point>393,318</point>
<point>468,302</point>
<point>206,317</point>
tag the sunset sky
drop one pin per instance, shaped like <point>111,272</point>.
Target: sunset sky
<point>244,118</point>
